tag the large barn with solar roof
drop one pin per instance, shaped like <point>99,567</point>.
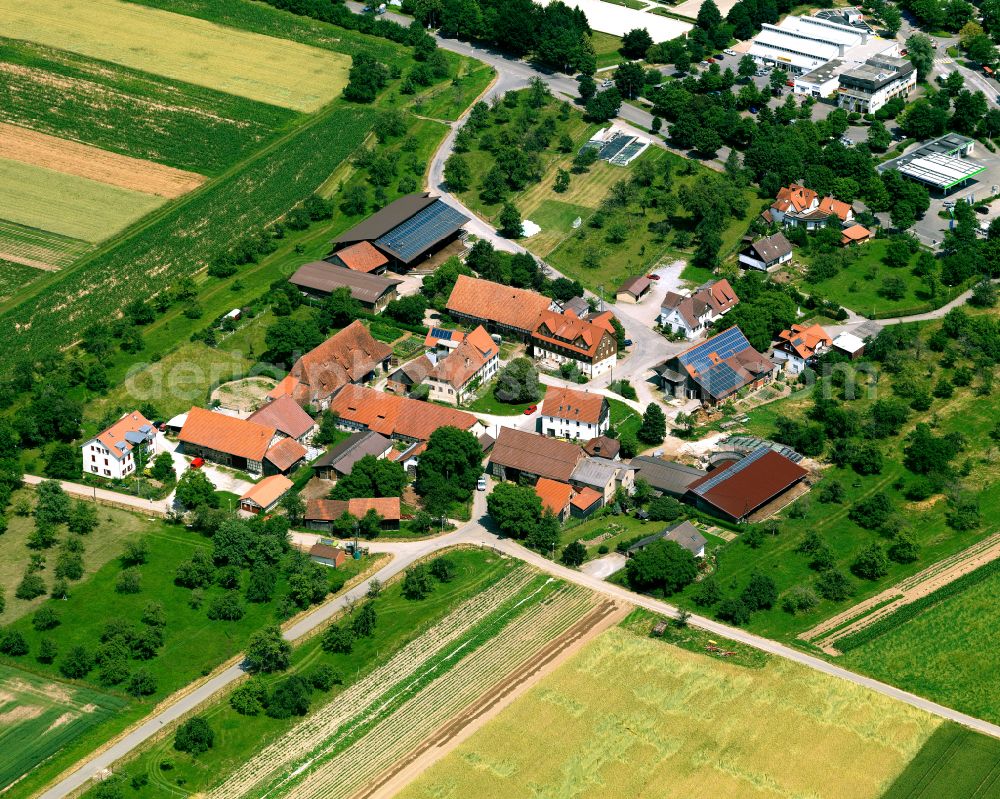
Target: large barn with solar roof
<point>406,232</point>
<point>716,369</point>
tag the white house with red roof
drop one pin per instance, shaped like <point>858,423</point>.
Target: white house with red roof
<point>116,452</point>
<point>691,315</point>
<point>800,346</point>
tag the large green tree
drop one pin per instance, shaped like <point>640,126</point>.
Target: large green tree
<point>663,566</point>
<point>448,468</point>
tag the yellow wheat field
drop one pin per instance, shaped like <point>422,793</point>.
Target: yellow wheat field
<point>238,62</point>
<point>632,717</point>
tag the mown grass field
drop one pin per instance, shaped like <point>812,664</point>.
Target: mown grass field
<point>955,763</point>
<point>632,716</point>
<point>38,717</point>
<point>184,48</point>
<point>947,653</point>
<point>131,112</point>
<point>449,101</point>
<point>238,738</point>
<point>68,205</point>
<point>14,277</point>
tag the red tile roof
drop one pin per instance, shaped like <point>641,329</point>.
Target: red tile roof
<point>569,403</point>
<point>748,483</point>
<point>494,302</point>
<point>227,434</point>
<point>114,435</point>
<point>361,257</point>
<point>466,360</point>
<point>835,207</point>
<point>795,197</point>
<point>635,286</point>
<point>343,358</point>
<point>285,454</point>
<point>555,495</point>
<point>268,491</point>
<point>391,415</point>
<point>285,415</point>
<point>585,498</point>
<point>804,341</point>
<point>327,552</point>
<point>568,330</point>
<point>332,509</point>
<point>854,233</point>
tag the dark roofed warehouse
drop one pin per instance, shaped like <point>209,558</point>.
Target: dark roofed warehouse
<point>408,230</point>
<point>739,488</point>
<point>320,278</point>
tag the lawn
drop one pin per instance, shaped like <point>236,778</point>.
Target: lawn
<point>237,738</point>
<point>488,403</point>
<point>954,763</point>
<point>14,277</point>
<point>624,418</point>
<point>606,47</point>
<point>239,62</point>
<point>68,205</point>
<point>857,286</point>
<point>39,717</point>
<point>948,653</point>
<point>105,543</point>
<point>449,101</point>
<point>131,112</point>
<point>632,716</point>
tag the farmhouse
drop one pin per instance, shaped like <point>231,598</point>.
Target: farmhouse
<point>225,439</point>
<point>691,315</point>
<point>401,418</point>
<point>339,461</point>
<point>524,457</point>
<point>361,257</point>
<point>604,476</point>
<point>586,501</point>
<point>666,477</point>
<point>115,452</point>
<point>591,344</point>
<point>555,497</point>
<point>320,279</point>
<point>800,346</point>
<point>738,488</point>
<point>349,357</point>
<point>284,456</point>
<point>321,514</point>
<point>634,289</point>
<point>568,413</point>
<point>766,253</point>
<point>684,534</point>
<point>501,309</point>
<point>286,416</point>
<point>264,496</point>
<point>716,369</point>
<point>407,231</point>
<point>474,361</point>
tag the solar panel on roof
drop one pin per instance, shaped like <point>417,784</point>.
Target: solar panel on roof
<point>441,333</point>
<point>615,146</point>
<point>724,345</point>
<point>422,230</point>
<point>722,476</point>
<point>721,380</point>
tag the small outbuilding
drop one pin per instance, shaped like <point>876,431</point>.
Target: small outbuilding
<point>327,554</point>
<point>264,496</point>
<point>634,289</point>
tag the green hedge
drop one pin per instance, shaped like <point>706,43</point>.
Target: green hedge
<point>907,612</point>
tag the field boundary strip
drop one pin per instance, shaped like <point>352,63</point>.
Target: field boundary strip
<point>908,590</point>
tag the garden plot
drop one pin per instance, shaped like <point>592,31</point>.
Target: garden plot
<point>238,62</point>
<point>633,716</point>
<point>384,716</point>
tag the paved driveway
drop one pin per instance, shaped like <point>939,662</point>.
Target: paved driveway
<point>603,568</point>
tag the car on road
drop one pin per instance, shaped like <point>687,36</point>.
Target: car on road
<point>530,410</point>
<point>703,63</point>
<point>628,342</point>
<point>481,483</point>
<point>607,84</point>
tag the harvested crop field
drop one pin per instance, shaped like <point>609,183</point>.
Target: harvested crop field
<point>38,716</point>
<point>130,112</point>
<point>66,204</point>
<point>631,716</point>
<point>36,248</point>
<point>84,161</point>
<point>238,62</point>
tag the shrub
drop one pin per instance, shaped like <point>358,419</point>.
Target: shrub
<point>834,585</point>
<point>47,650</point>
<point>324,677</point>
<point>141,683</point>
<point>77,664</point>
<point>289,698</point>
<point>339,640</point>
<point>45,618</point>
<point>443,569</point>
<point>799,598</point>
<point>228,607</point>
<point>194,736</point>
<point>129,581</point>
<point>13,643</point>
<point>733,611</point>
<point>248,699</point>
<point>31,586</point>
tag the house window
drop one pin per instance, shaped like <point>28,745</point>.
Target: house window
<point>93,469</point>
<point>107,472</point>
<point>93,459</point>
<point>105,461</point>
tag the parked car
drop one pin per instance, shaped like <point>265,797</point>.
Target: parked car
<point>729,52</point>
<point>197,463</point>
<point>628,342</point>
<point>607,84</point>
<point>530,410</point>
<point>653,276</point>
<point>481,483</point>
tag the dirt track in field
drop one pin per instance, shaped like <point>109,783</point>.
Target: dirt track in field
<point>82,160</point>
<point>493,701</point>
<point>20,259</point>
<point>909,590</point>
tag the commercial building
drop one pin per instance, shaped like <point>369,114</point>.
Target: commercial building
<point>801,45</point>
<point>320,279</point>
<point>115,452</point>
<point>943,165</point>
<point>406,232</point>
<point>869,86</point>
